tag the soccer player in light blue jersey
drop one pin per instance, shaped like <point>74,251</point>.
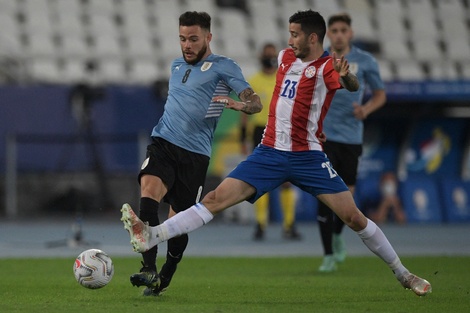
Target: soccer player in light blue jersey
<point>178,157</point>
<point>343,127</point>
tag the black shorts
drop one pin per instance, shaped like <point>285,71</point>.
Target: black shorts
<point>183,172</point>
<point>344,158</point>
<point>257,135</point>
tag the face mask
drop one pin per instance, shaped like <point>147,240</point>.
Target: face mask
<point>389,188</point>
<point>268,62</point>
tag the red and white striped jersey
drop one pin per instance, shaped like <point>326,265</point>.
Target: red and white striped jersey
<point>300,101</point>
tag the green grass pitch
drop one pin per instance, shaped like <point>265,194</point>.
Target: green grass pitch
<point>286,284</point>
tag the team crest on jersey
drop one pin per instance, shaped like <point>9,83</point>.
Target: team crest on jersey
<point>205,66</point>
<point>310,71</point>
<point>354,67</point>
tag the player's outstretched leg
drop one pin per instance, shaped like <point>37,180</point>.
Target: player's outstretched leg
<point>418,285</point>
<point>138,230</point>
<point>377,242</point>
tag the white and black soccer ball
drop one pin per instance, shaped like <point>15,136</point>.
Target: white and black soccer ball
<point>93,269</point>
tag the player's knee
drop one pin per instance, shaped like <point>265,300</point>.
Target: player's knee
<point>356,220</point>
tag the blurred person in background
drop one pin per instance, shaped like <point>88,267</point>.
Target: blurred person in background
<point>343,127</point>
<point>390,203</point>
<point>178,156</point>
<point>263,83</point>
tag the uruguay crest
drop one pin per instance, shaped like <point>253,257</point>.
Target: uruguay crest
<point>354,67</point>
<point>205,66</point>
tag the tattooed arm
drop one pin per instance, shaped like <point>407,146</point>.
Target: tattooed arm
<point>349,82</point>
<point>250,104</point>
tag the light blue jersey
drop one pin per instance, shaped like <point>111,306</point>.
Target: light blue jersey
<point>340,125</point>
<point>190,117</point>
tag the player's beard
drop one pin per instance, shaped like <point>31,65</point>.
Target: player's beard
<point>198,56</point>
<point>303,50</point>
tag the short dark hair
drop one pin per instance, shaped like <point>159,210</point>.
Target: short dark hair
<point>341,17</point>
<point>310,22</point>
<point>191,18</point>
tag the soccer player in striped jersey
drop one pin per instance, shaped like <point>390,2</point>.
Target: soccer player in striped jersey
<point>178,156</point>
<point>343,127</point>
<point>291,150</point>
<point>263,82</point>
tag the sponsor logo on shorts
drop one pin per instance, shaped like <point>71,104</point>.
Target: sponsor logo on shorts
<point>199,193</point>
<point>145,163</point>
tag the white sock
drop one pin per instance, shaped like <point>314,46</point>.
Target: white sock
<point>182,223</point>
<point>375,240</point>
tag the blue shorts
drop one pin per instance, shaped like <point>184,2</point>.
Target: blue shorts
<point>267,168</point>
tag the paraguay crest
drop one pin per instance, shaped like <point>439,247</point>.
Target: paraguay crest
<point>310,71</point>
<point>205,66</point>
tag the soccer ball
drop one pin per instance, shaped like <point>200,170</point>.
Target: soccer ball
<point>93,269</point>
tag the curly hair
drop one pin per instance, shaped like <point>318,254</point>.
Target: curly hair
<point>192,18</point>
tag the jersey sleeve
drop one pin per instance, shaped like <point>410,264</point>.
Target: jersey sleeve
<point>233,76</point>
<point>330,76</point>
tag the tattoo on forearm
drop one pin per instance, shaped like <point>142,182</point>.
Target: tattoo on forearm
<point>251,100</point>
<point>350,82</point>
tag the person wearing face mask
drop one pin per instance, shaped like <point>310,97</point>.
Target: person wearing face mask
<point>390,202</point>
<point>252,127</point>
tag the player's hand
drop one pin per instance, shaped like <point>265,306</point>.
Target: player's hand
<point>322,137</point>
<point>229,102</point>
<point>340,65</point>
<point>359,111</point>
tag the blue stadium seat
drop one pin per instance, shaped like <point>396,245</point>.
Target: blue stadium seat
<point>367,194</point>
<point>421,201</point>
<point>456,199</point>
